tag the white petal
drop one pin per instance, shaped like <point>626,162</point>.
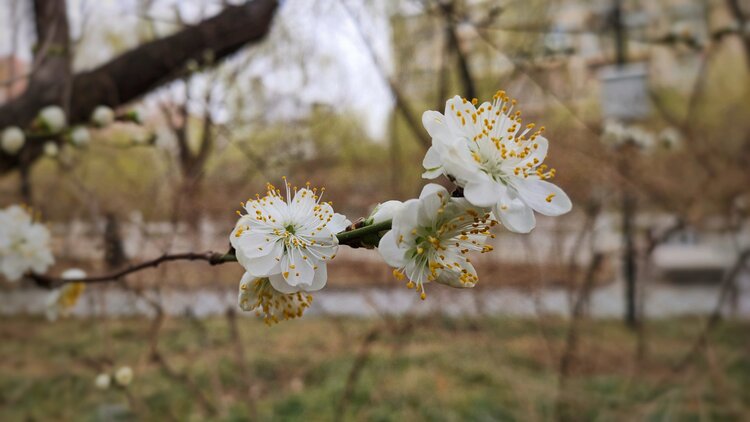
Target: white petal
<point>432,159</point>
<point>544,197</point>
<point>296,270</point>
<point>431,174</point>
<point>280,285</point>
<point>483,193</point>
<point>253,244</point>
<point>431,199</point>
<point>434,122</point>
<point>262,266</point>
<point>516,216</point>
<point>319,281</point>
<point>338,223</point>
<point>302,204</point>
<point>386,211</point>
<point>392,254</point>
<point>406,219</point>
<point>431,188</point>
<point>452,277</point>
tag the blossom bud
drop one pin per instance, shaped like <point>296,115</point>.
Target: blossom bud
<point>124,376</point>
<point>102,116</point>
<point>53,118</point>
<point>51,149</point>
<point>12,140</point>
<point>102,381</point>
<point>80,136</point>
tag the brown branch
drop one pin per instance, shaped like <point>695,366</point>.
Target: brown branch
<point>140,70</point>
<point>212,258</point>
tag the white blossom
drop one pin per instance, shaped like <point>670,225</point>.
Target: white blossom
<point>24,244</point>
<point>288,240</point>
<point>124,376</point>
<point>614,133</point>
<point>102,381</point>
<point>102,116</point>
<point>51,149</point>
<point>431,237</point>
<point>53,118</point>
<point>497,161</point>
<point>80,136</point>
<point>13,140</point>
<point>669,138</point>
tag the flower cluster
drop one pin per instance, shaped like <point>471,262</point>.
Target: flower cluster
<point>617,134</point>
<point>284,243</point>
<point>24,244</point>
<point>495,159</point>
<point>497,164</point>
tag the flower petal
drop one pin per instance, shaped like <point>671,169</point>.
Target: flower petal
<point>483,193</point>
<point>262,266</point>
<point>280,285</point>
<point>432,164</point>
<point>338,223</point>
<point>320,279</point>
<point>392,254</point>
<point>297,270</point>
<point>544,197</point>
<point>516,216</point>
<point>434,123</point>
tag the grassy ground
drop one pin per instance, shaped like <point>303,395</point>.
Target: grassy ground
<point>408,369</point>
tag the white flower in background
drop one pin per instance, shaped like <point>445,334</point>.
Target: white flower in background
<point>61,301</point>
<point>80,136</point>
<point>640,137</point>
<point>385,211</point>
<point>51,149</point>
<point>53,118</point>
<point>614,133</point>
<point>102,381</point>
<point>258,294</point>
<point>431,237</point>
<point>670,138</point>
<point>124,376</point>
<point>496,160</point>
<point>102,116</point>
<point>289,241</point>
<point>24,244</point>
<point>13,139</point>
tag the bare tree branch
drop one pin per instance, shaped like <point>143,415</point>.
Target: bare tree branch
<point>138,71</point>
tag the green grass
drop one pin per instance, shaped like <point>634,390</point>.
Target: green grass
<point>439,369</point>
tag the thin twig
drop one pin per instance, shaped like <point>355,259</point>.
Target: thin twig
<point>212,258</point>
<point>359,364</point>
<point>715,317</point>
